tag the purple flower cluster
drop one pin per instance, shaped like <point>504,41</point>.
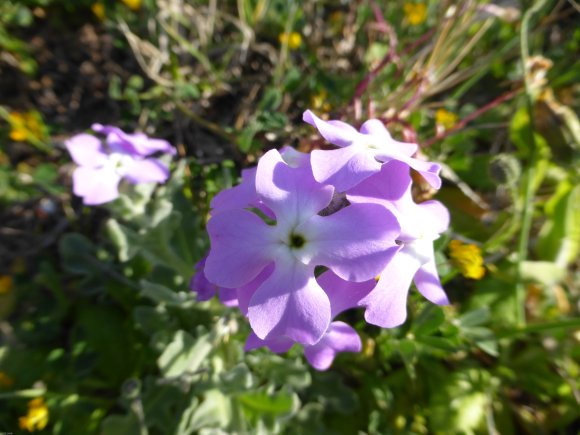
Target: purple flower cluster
<point>268,236</point>
<point>102,165</point>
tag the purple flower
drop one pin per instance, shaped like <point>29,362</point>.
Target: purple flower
<point>135,144</point>
<point>361,154</point>
<point>421,224</point>
<point>206,290</point>
<point>244,195</point>
<point>101,168</point>
<point>290,302</point>
<point>339,337</point>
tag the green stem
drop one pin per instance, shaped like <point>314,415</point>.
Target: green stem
<point>529,188</point>
<point>42,392</point>
<point>24,394</point>
<point>541,327</point>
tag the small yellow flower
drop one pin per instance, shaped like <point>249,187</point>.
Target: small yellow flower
<point>98,9</point>
<point>5,380</point>
<point>467,258</point>
<point>26,126</point>
<point>293,40</point>
<point>319,102</point>
<point>416,13</point>
<point>5,284</point>
<point>37,417</point>
<point>445,118</point>
<point>134,5</point>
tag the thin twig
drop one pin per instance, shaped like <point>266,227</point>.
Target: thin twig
<point>390,56</point>
<point>461,124</point>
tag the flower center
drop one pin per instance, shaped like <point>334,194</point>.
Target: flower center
<point>296,241</point>
<point>421,248</point>
<point>120,162</point>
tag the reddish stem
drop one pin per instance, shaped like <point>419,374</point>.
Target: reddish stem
<point>391,55</point>
<point>461,124</point>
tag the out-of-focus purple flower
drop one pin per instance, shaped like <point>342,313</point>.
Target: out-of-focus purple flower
<point>290,302</point>
<point>339,337</point>
<point>135,143</point>
<point>361,154</point>
<point>101,166</point>
<point>421,224</point>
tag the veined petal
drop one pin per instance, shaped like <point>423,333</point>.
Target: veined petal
<point>391,184</point>
<point>96,185</point>
<point>344,168</point>
<point>343,295</point>
<point>386,305</point>
<point>241,246</point>
<point>380,136</point>
<point>147,171</point>
<point>294,158</point>
<point>355,242</point>
<point>86,150</point>
<point>291,193</point>
<point>339,338</point>
<point>391,187</point>
<point>290,303</point>
<point>429,170</point>
<point>336,132</point>
<point>245,292</point>
<point>241,196</point>
<point>436,214</point>
<point>428,283</point>
<point>276,345</point>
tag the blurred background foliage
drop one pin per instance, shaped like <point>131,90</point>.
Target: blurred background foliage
<point>99,333</point>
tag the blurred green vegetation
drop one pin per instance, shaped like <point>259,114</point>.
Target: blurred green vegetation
<point>95,313</point>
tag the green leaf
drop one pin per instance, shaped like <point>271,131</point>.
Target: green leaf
<point>271,100</point>
<point>152,319</point>
<point>163,295</point>
<point>106,330</point>
<point>77,254</point>
<point>458,403</point>
<point>184,354</point>
<point>428,321</point>
<point>497,296</point>
<point>214,411</point>
<point>474,318</point>
<point>280,371</point>
<point>119,238</point>
<point>559,238</point>
<point>161,402</point>
<point>236,380</point>
<point>261,402</point>
<point>441,343</point>
<point>120,425</point>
